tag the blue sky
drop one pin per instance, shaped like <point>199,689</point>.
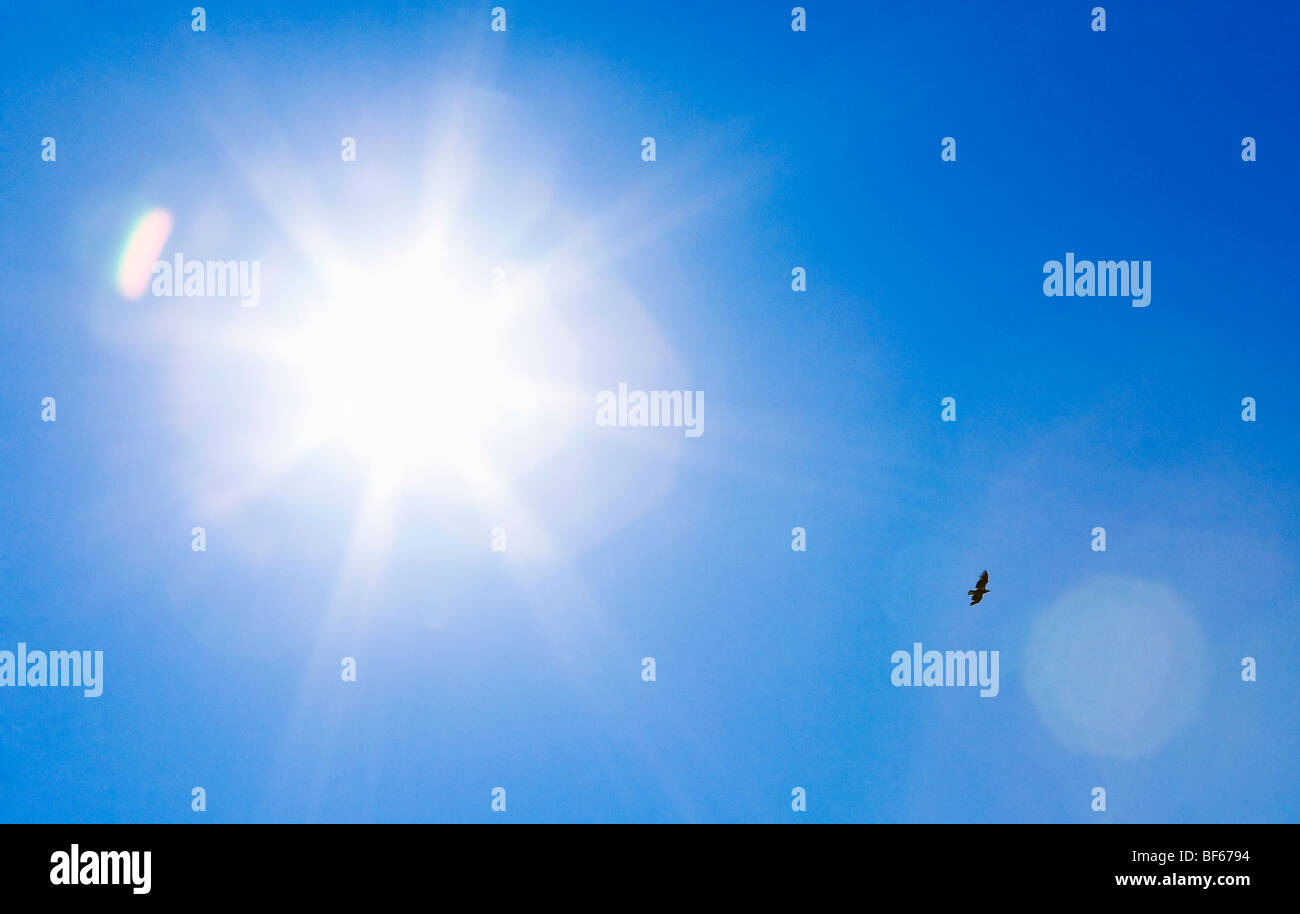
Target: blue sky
<point>775,149</point>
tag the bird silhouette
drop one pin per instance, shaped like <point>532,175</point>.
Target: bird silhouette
<point>980,590</point>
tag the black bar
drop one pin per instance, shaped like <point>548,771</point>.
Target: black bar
<point>335,862</point>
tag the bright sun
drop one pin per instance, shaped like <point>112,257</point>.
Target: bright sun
<point>425,334</point>
<point>408,376</point>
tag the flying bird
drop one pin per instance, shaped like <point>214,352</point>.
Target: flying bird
<point>980,590</point>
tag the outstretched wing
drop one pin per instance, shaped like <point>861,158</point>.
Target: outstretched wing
<point>984,579</point>
<point>975,597</point>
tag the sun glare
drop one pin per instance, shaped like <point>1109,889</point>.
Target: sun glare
<point>411,378</point>
<point>431,335</point>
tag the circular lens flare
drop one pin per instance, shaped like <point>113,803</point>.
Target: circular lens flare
<point>1115,667</point>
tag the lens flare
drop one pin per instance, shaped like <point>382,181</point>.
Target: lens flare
<point>1116,667</point>
<point>143,246</point>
